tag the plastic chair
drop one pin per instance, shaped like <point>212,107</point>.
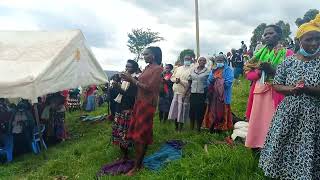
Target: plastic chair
<point>8,147</point>
<point>36,139</point>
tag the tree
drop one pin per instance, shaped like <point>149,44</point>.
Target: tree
<point>286,32</point>
<point>184,53</point>
<point>257,35</point>
<point>258,32</point>
<point>308,16</point>
<point>139,39</point>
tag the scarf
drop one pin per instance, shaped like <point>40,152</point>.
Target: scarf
<point>274,56</point>
<point>124,86</point>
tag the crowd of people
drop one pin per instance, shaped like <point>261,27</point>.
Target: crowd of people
<point>18,117</point>
<point>282,109</point>
<point>283,106</point>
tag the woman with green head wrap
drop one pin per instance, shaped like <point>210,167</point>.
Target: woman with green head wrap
<point>263,99</point>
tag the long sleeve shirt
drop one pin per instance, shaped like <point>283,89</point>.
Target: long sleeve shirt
<point>183,73</point>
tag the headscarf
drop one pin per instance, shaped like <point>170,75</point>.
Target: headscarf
<point>313,25</point>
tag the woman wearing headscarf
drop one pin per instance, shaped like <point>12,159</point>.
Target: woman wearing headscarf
<point>292,148</point>
<point>124,104</point>
<point>141,124</point>
<point>180,105</point>
<point>198,89</point>
<point>218,116</point>
<point>263,99</point>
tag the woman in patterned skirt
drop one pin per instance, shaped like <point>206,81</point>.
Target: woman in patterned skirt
<point>124,104</point>
<point>218,115</point>
<point>292,148</point>
<point>141,124</point>
<point>58,114</point>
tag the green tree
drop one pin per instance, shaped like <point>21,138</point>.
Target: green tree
<point>184,53</point>
<point>286,32</point>
<point>139,39</point>
<point>308,16</point>
<point>257,35</point>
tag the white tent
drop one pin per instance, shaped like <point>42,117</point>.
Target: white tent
<point>35,63</point>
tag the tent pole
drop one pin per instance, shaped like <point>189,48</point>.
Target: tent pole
<point>38,127</point>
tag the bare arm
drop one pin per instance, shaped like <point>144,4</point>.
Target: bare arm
<point>287,90</point>
<point>312,91</point>
<point>150,85</point>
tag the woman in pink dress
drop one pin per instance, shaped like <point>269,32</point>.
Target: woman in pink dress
<point>263,99</point>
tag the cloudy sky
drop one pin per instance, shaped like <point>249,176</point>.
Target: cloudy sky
<point>223,24</point>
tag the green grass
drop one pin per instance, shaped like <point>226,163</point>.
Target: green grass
<point>83,155</point>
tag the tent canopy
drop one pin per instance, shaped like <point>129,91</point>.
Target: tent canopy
<point>36,63</point>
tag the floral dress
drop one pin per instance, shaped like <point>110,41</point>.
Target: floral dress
<point>292,147</point>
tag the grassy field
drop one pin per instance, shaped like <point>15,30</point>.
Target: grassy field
<point>89,149</point>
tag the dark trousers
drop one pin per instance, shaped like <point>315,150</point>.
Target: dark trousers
<point>197,109</point>
<point>163,116</point>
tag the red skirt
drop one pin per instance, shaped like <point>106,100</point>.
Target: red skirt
<point>220,119</point>
<point>141,123</point>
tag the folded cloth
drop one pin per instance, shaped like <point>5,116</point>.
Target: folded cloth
<point>115,168</point>
<point>241,124</point>
<point>175,143</point>
<point>94,118</point>
<point>240,130</point>
<point>170,151</point>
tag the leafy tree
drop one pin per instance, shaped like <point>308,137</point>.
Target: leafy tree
<point>257,35</point>
<point>286,32</point>
<point>308,16</point>
<point>139,39</point>
<point>184,53</point>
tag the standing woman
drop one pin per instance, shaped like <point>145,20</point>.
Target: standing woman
<point>166,93</point>
<point>292,148</point>
<point>218,116</point>
<point>141,124</point>
<point>180,105</point>
<point>124,104</point>
<point>263,99</point>
<point>91,98</point>
<point>198,88</point>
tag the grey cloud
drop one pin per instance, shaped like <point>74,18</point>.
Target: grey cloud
<point>209,44</point>
<point>96,33</point>
<point>246,13</point>
<point>222,23</point>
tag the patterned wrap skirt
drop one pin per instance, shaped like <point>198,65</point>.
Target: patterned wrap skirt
<point>218,119</point>
<point>141,124</point>
<point>120,128</point>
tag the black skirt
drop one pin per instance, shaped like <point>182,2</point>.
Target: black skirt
<point>197,106</point>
